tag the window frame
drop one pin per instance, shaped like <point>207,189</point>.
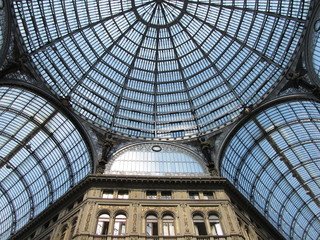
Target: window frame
<point>168,225</point>
<point>119,225</point>
<point>152,223</point>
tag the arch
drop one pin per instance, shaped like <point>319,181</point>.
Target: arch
<point>169,160</point>
<point>167,212</point>
<point>120,212</point>
<point>103,211</point>
<point>151,212</point>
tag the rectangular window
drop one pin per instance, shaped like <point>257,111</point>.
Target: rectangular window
<point>107,194</point>
<point>166,195</point>
<point>208,195</point>
<point>194,195</point>
<point>168,229</point>
<point>119,228</point>
<point>200,228</point>
<point>123,194</point>
<point>152,229</point>
<point>216,229</point>
<point>151,195</point>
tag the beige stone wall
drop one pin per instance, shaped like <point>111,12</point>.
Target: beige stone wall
<point>79,221</point>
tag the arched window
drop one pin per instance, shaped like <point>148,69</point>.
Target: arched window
<point>120,225</point>
<point>215,225</point>
<point>73,227</point>
<point>63,235</point>
<point>103,224</point>
<point>151,225</point>
<point>199,225</point>
<point>157,160</point>
<point>168,225</point>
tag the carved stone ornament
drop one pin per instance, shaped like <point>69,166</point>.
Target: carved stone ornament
<point>88,218</point>
<point>204,209</point>
<point>160,210</point>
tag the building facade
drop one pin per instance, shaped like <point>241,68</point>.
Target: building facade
<point>109,207</point>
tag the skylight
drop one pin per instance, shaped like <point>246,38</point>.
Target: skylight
<point>161,69</point>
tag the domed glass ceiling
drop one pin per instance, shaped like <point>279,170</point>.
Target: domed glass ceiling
<point>161,69</point>
<point>274,160</point>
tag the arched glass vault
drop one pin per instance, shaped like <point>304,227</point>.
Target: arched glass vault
<point>161,69</point>
<point>157,159</point>
<point>274,160</point>
<point>42,155</point>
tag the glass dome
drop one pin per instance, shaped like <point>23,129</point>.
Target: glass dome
<point>39,159</point>
<point>274,160</point>
<point>161,69</point>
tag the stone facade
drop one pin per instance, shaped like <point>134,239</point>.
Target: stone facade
<point>182,208</point>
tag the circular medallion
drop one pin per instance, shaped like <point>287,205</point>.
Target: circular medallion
<point>159,13</point>
<point>156,148</point>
